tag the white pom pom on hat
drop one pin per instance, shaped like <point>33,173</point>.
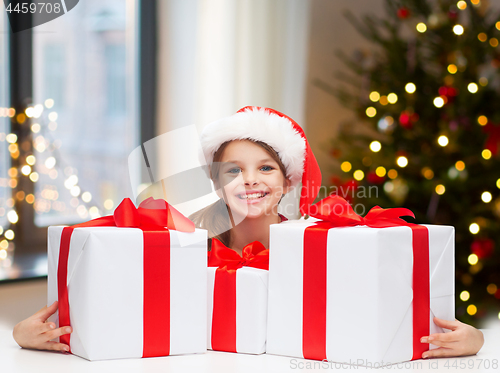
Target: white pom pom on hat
<point>277,130</point>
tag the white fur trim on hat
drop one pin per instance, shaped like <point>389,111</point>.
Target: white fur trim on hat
<point>260,125</point>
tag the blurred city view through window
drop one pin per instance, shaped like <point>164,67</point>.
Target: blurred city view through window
<point>85,83</point>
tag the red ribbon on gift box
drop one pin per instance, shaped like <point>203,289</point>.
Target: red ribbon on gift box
<point>335,211</point>
<point>155,217</point>
<point>224,305</point>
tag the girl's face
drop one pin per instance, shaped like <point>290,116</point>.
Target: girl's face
<point>252,180</point>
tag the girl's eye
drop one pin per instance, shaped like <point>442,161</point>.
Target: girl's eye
<point>234,170</point>
<point>267,168</point>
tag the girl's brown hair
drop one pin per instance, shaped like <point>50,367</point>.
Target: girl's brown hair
<point>217,216</point>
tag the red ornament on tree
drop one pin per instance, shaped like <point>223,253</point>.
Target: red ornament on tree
<point>404,119</point>
<point>493,139</point>
<point>403,12</point>
<point>497,294</point>
<point>373,178</point>
<point>401,153</point>
<point>482,247</point>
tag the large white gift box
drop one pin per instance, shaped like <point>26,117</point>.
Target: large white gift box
<point>244,331</point>
<point>369,292</point>
<point>107,295</point>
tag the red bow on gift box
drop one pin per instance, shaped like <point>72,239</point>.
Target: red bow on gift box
<point>151,213</point>
<point>253,255</point>
<point>339,213</point>
<point>224,302</point>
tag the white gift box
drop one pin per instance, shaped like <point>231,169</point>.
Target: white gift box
<point>106,292</point>
<point>369,311</point>
<point>251,309</point>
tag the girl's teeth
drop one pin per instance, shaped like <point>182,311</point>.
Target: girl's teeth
<point>252,196</point>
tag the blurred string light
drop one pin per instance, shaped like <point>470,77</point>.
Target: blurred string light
<point>375,146</point>
<point>402,161</point>
<point>380,171</point>
<point>473,259</point>
<point>48,197</point>
<point>358,175</point>
<point>427,173</point>
<point>421,27</point>
<point>385,123</point>
<point>482,37</point>
<point>462,5</point>
<point>471,309</point>
<point>458,29</point>
<point>494,42</point>
<point>452,69</point>
<point>410,88</point>
<point>486,197</point>
<point>460,165</point>
<point>443,140</point>
<point>440,189</point>
<point>482,120</point>
<point>374,96</point>
<point>392,174</point>
<point>346,166</point>
<point>474,228</point>
<point>486,154</point>
<point>371,112</point>
<point>438,102</point>
<point>472,87</point>
<point>392,98</point>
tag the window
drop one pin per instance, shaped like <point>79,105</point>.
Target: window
<point>115,79</point>
<point>89,123</point>
<point>73,84</point>
<point>54,72</point>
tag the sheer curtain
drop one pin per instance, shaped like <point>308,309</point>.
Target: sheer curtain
<point>216,56</point>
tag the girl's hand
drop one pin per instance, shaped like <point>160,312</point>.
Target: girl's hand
<point>463,340</point>
<point>36,333</point>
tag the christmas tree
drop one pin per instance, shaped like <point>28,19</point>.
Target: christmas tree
<point>428,131</point>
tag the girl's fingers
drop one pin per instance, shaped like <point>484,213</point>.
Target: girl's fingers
<point>46,327</point>
<point>434,342</point>
<point>452,325</point>
<point>438,352</point>
<point>444,337</point>
<point>55,346</point>
<point>46,312</point>
<point>57,333</point>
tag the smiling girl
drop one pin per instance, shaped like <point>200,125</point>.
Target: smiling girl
<point>255,156</point>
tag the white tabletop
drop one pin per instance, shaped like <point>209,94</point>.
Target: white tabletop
<point>14,359</point>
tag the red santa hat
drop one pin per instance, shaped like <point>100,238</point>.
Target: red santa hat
<point>280,132</point>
